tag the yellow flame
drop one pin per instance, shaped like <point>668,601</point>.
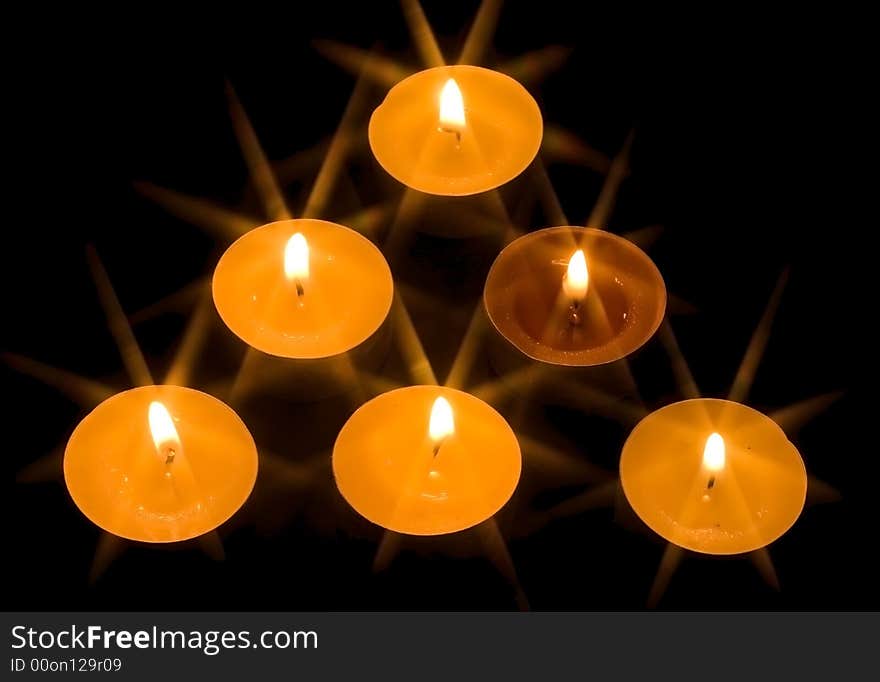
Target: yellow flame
<point>451,106</point>
<point>162,428</point>
<point>713,453</point>
<point>576,279</point>
<point>442,423</point>
<point>296,258</point>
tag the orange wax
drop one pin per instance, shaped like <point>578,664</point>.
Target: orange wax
<point>456,130</point>
<point>160,464</point>
<point>713,476</point>
<point>386,469</point>
<point>574,296</point>
<point>303,288</point>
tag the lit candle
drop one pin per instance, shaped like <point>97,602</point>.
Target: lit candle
<point>303,289</point>
<point>160,464</point>
<point>456,130</point>
<point>426,460</point>
<point>574,296</point>
<point>713,476</point>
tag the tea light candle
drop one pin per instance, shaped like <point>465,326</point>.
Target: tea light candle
<point>574,296</point>
<point>456,130</point>
<point>426,460</point>
<point>713,476</point>
<point>303,288</point>
<point>160,464</point>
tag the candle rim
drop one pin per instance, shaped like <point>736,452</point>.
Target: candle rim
<point>716,401</point>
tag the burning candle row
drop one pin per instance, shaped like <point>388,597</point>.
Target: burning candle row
<point>166,463</point>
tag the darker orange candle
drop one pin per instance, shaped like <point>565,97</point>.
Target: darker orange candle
<point>574,296</point>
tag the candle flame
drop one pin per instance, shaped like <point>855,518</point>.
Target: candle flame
<point>162,429</point>
<point>576,279</point>
<point>451,106</point>
<point>442,423</point>
<point>296,258</point>
<point>713,453</point>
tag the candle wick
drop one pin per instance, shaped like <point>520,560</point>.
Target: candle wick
<point>300,290</point>
<point>457,134</point>
<point>169,457</point>
<point>437,446</point>
<point>711,483</point>
<point>574,314</point>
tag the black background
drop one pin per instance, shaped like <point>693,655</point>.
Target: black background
<point>738,122</point>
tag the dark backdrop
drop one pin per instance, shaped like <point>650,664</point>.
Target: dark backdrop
<point>737,119</point>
